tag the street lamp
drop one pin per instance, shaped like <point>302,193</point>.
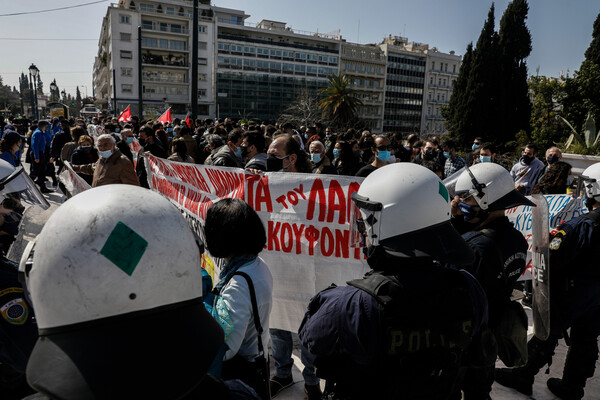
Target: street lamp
<point>54,90</point>
<point>34,71</point>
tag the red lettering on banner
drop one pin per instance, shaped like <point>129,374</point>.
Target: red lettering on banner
<point>327,240</point>
<point>262,194</point>
<point>226,184</point>
<point>312,235</point>
<point>298,229</point>
<point>342,243</point>
<point>287,238</point>
<point>317,193</point>
<point>191,174</point>
<point>337,202</point>
<point>203,208</point>
<point>281,200</point>
<point>272,238</point>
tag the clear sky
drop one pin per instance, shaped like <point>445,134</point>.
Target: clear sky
<point>65,42</point>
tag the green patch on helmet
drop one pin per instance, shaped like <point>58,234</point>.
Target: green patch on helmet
<point>443,191</point>
<point>124,248</point>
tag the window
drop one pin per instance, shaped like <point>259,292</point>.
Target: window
<point>433,65</point>
<point>126,88</point>
<point>431,80</point>
<point>201,92</point>
<point>126,37</point>
<point>202,61</point>
<point>440,81</point>
<point>146,7</point>
<point>454,68</point>
<point>170,11</point>
<point>359,67</point>
<point>201,77</point>
<point>125,19</point>
<point>202,45</point>
<point>202,28</point>
<point>126,71</point>
<point>126,54</point>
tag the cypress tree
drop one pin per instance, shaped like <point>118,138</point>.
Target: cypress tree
<point>514,41</point>
<point>457,114</point>
<point>593,52</point>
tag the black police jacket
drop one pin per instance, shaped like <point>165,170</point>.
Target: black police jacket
<point>500,259</point>
<point>393,336</point>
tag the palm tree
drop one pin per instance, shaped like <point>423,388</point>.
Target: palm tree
<point>341,102</point>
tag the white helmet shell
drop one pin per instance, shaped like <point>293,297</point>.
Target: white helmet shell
<point>591,181</point>
<point>491,186</point>
<point>112,250</point>
<point>406,209</point>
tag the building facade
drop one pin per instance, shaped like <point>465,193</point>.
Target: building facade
<point>366,67</point>
<point>404,84</point>
<point>263,68</point>
<point>441,72</point>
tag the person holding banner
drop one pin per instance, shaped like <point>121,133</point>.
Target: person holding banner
<point>574,303</point>
<point>483,192</point>
<point>402,330</point>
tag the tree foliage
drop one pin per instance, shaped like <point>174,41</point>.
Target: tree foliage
<point>304,110</point>
<point>547,128</point>
<point>593,52</point>
<point>490,97</point>
<point>340,103</point>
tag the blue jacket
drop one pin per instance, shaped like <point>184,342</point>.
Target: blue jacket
<point>6,156</point>
<point>38,143</point>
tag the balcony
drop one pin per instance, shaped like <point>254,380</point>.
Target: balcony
<point>166,29</point>
<point>165,60</point>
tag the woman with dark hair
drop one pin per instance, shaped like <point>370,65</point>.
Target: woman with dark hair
<point>345,160</point>
<point>235,233</point>
<point>86,153</point>
<point>9,146</point>
<point>179,151</point>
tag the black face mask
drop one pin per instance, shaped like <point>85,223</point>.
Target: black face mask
<point>589,203</point>
<point>552,159</point>
<point>244,151</point>
<point>142,141</point>
<point>429,155</point>
<point>526,159</point>
<point>274,163</point>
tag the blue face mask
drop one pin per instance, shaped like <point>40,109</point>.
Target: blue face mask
<point>117,130</point>
<point>485,159</point>
<point>475,146</point>
<point>105,154</point>
<point>315,157</point>
<point>336,153</point>
<point>384,155</point>
<point>238,152</point>
<point>129,140</point>
<point>446,154</point>
<point>467,210</point>
<point>170,130</point>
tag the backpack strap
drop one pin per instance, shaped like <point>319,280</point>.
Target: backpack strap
<point>257,325</point>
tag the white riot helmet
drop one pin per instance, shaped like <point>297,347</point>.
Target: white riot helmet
<point>491,186</point>
<point>116,284</point>
<point>590,181</point>
<point>15,182</point>
<point>405,209</point>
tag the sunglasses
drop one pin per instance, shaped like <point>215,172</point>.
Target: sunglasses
<point>384,148</point>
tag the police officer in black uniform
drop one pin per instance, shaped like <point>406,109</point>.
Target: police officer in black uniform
<point>574,303</point>
<point>401,331</point>
<point>484,191</point>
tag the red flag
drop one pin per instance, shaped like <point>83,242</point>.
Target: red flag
<point>166,117</point>
<point>125,115</point>
<point>187,120</point>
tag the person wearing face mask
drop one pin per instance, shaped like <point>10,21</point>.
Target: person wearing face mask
<point>557,175</point>
<point>346,160</point>
<point>86,153</point>
<point>477,142</point>
<point>483,192</point>
<point>112,167</point>
<point>527,171</point>
<point>253,150</point>
<point>382,150</point>
<point>285,155</point>
<point>38,155</point>
<point>230,154</point>
<point>320,162</point>
<point>428,153</point>
<point>454,162</point>
<point>487,153</point>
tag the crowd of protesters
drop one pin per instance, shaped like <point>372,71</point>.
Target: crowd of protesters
<point>103,151</point>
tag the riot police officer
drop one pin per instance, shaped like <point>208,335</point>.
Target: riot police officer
<point>574,302</point>
<point>401,331</point>
<point>484,191</point>
<point>117,288</point>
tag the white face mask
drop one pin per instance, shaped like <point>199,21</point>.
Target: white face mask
<point>392,159</point>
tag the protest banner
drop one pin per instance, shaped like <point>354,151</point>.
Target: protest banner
<point>306,218</point>
<point>561,208</point>
<point>74,184</point>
